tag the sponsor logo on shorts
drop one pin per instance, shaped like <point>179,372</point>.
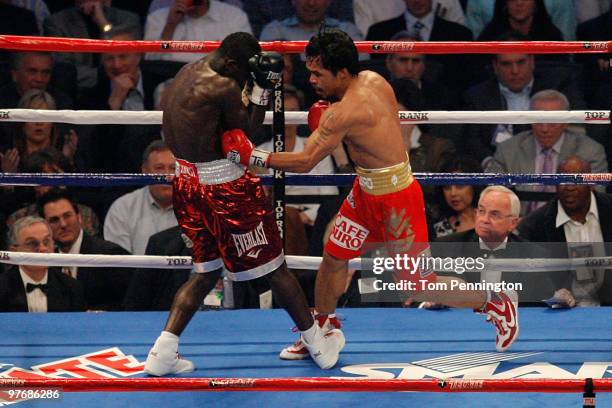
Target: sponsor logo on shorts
<point>188,242</point>
<point>348,234</point>
<point>187,170</point>
<point>245,243</point>
<point>5,115</point>
<point>366,182</point>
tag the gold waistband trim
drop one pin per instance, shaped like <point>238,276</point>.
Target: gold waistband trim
<point>385,180</point>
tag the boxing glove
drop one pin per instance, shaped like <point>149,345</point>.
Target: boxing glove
<point>237,148</point>
<point>266,71</point>
<point>314,114</point>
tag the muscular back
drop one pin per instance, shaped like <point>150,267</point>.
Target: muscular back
<point>198,106</point>
<point>369,110</point>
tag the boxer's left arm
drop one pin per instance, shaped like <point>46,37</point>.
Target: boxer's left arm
<point>332,128</point>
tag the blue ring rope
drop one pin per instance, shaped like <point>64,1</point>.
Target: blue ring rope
<point>130,179</point>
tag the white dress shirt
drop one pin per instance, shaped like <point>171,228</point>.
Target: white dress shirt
<point>427,22</point>
<point>221,20</point>
<point>584,240</point>
<point>37,299</point>
<point>491,276</point>
<point>133,218</point>
<point>75,249</point>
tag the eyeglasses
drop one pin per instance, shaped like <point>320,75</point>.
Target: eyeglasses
<point>494,214</point>
<point>33,244</point>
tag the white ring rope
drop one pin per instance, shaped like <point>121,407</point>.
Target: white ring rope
<point>294,262</point>
<point>93,117</point>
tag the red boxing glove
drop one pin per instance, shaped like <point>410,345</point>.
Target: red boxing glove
<point>239,149</point>
<point>315,113</point>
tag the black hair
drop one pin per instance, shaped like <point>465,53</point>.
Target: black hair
<point>336,50</point>
<point>35,162</point>
<point>54,195</point>
<point>157,145</point>
<point>240,47</point>
<point>501,17</point>
<point>408,94</point>
<point>458,164</point>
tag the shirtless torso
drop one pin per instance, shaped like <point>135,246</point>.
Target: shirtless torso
<point>198,107</point>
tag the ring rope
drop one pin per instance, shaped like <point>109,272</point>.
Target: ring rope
<point>95,117</point>
<point>57,44</point>
<point>316,384</point>
<point>429,179</point>
<point>294,262</point>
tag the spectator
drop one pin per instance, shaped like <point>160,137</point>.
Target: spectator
<point>588,9</point>
<point>104,287</point>
<point>457,203</point>
<point>209,20</point>
<point>28,288</point>
<point>497,215</point>
<point>47,160</point>
<point>596,66</point>
<point>579,217</point>
<point>368,13</point>
<point>516,80</point>
<point>38,7</point>
<point>262,12</point>
<point>33,136</point>
<point>89,19</point>
<point>427,76</point>
<point>305,21</point>
<point>134,217</point>
<point>420,20</point>
<point>562,14</point>
<point>540,149</point>
<point>31,70</point>
<point>122,85</point>
<point>16,21</point>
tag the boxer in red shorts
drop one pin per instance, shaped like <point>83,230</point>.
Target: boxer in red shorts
<point>220,206</point>
<point>385,204</point>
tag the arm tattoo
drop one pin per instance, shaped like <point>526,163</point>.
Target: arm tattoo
<point>325,130</point>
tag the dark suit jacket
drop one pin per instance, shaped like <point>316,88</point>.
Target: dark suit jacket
<point>457,69</point>
<point>65,293</point>
<point>540,226</point>
<point>117,148</point>
<point>596,29</point>
<point>154,289</point>
<point>104,287</point>
<point>536,286</point>
<point>16,21</point>
<point>486,96</point>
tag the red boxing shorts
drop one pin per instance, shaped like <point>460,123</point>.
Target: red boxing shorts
<point>224,212</point>
<point>384,208</point>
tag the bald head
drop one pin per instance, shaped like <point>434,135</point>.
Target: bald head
<point>574,164</point>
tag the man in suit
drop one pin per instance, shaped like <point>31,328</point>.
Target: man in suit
<point>104,287</point>
<point>540,149</point>
<point>496,218</point>
<point>581,219</point>
<point>88,19</point>
<point>122,85</point>
<point>28,288</point>
<point>516,80</point>
<point>422,23</point>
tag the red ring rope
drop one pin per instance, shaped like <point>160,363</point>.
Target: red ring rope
<point>27,43</point>
<point>309,384</point>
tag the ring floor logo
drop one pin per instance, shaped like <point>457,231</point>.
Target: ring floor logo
<point>107,363</point>
<point>480,365</point>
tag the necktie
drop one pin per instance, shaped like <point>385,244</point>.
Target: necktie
<point>416,30</point>
<point>547,168</point>
<point>42,286</point>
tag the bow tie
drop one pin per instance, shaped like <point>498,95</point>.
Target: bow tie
<point>42,286</point>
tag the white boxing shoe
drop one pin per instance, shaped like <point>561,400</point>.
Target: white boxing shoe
<point>160,363</point>
<point>325,347</point>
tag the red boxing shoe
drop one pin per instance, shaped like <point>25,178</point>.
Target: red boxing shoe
<point>502,311</point>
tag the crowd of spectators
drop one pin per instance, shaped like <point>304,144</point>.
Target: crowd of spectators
<point>121,220</point>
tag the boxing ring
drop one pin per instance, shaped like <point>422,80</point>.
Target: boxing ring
<point>563,357</point>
